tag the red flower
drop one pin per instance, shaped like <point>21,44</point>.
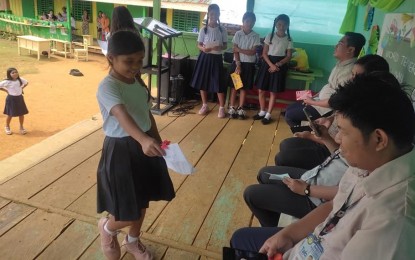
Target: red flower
<point>165,144</point>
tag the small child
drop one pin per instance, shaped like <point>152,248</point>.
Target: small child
<point>131,171</point>
<point>208,75</point>
<point>272,73</point>
<point>15,105</point>
<point>245,42</point>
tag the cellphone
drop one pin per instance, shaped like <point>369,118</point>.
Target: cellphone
<point>313,125</point>
<point>238,254</point>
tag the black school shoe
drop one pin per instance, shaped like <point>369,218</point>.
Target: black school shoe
<point>258,117</point>
<point>266,121</point>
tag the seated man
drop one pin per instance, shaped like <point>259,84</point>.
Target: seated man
<point>306,151</point>
<point>298,194</point>
<point>346,51</point>
<point>372,215</point>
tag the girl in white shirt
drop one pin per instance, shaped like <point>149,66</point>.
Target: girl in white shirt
<point>208,75</point>
<point>272,73</point>
<point>15,105</point>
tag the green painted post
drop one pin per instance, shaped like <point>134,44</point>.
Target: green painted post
<point>68,19</point>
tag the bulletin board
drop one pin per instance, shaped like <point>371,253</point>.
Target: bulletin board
<point>397,46</point>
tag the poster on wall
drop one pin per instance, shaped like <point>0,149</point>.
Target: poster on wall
<point>397,46</point>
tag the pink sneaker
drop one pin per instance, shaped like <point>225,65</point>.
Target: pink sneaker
<point>109,244</point>
<point>221,113</point>
<point>204,110</point>
<point>137,249</point>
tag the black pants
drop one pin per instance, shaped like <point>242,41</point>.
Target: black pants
<point>270,198</point>
<point>294,114</point>
<point>301,153</point>
<point>252,238</point>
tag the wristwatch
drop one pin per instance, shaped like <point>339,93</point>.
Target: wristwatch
<point>307,190</point>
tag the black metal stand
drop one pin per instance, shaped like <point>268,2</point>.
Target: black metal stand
<point>164,35</point>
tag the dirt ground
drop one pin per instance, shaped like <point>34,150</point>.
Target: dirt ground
<point>55,99</point>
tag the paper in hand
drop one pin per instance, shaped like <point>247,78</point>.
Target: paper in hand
<point>303,94</point>
<point>278,177</point>
<point>176,160</point>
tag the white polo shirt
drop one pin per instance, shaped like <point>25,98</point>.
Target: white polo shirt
<point>13,87</point>
<point>339,75</point>
<point>279,45</point>
<point>214,35</point>
<point>382,223</point>
<point>246,42</point>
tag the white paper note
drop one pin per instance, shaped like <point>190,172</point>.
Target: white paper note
<point>176,160</point>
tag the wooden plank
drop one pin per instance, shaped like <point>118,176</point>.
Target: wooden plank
<point>229,211</point>
<point>87,204</point>
<point>43,174</point>
<point>193,146</point>
<point>32,235</point>
<point>283,132</point>
<point>3,202</point>
<point>196,195</point>
<point>163,121</point>
<point>71,186</point>
<point>173,253</point>
<point>72,242</point>
<point>12,214</point>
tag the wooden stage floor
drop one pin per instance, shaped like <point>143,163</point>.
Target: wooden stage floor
<point>49,210</point>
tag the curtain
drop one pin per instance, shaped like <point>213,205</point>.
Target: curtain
<point>349,20</point>
<point>384,5</point>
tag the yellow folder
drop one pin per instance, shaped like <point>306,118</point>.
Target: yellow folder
<point>237,81</point>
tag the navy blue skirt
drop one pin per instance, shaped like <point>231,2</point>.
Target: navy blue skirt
<point>128,179</point>
<point>247,74</point>
<point>273,82</point>
<point>15,106</point>
<point>209,74</point>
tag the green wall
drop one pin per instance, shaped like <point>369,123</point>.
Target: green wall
<point>106,8</point>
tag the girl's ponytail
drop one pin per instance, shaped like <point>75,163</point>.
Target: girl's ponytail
<point>273,30</point>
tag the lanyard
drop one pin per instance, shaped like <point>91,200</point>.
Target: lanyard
<point>333,156</point>
<point>338,215</point>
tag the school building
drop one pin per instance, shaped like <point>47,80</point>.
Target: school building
<point>316,26</point>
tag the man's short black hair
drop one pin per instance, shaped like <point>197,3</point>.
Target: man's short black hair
<point>377,101</point>
<point>355,40</point>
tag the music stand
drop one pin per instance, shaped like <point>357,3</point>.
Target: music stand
<point>164,35</point>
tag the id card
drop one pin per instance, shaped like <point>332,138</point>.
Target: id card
<point>310,248</point>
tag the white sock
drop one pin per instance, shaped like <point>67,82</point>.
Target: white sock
<point>204,105</point>
<point>221,108</point>
<point>112,233</point>
<point>262,113</point>
<point>268,116</point>
<point>131,239</point>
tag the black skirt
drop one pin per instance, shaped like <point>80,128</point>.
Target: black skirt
<point>209,74</point>
<point>15,106</point>
<point>247,74</point>
<point>128,179</point>
<point>273,82</point>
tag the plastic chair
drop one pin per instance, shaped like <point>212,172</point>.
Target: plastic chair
<point>82,54</point>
